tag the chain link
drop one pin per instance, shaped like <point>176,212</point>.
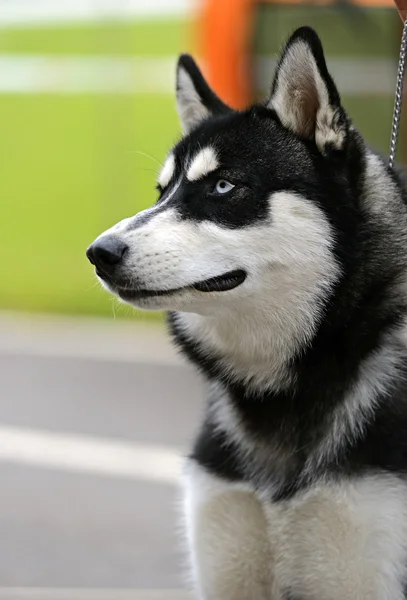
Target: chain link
<point>398,101</point>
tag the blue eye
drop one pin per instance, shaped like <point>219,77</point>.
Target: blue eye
<point>223,186</point>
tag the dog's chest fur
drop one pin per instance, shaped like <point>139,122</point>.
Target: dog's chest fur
<point>336,540</point>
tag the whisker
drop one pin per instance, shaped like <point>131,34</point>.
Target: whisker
<point>145,154</point>
<point>92,287</point>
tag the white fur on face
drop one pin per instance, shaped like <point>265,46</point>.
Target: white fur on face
<point>167,172</point>
<point>168,253</point>
<point>202,164</point>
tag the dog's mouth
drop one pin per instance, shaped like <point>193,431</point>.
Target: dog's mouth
<point>221,283</point>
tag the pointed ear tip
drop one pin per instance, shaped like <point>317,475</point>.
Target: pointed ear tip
<point>306,34</point>
<point>185,61</point>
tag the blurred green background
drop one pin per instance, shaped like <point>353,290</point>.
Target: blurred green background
<point>76,159</point>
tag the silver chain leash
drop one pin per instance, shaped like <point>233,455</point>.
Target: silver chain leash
<point>398,101</point>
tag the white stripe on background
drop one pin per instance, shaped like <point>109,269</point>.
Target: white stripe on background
<point>41,12</point>
<point>83,454</point>
<point>30,593</point>
<point>28,74</point>
<point>68,74</point>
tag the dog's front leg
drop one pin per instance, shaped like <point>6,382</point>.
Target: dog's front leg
<point>228,542</point>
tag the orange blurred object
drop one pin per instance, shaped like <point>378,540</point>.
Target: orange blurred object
<point>226,28</point>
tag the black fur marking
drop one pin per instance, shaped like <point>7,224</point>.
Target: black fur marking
<point>216,453</point>
<point>384,446</point>
<point>287,595</point>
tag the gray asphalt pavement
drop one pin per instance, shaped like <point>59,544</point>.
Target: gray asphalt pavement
<point>66,526</point>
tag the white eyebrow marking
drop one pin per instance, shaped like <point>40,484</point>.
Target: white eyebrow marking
<point>167,171</point>
<point>203,163</point>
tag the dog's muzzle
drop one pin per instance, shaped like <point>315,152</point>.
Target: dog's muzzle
<point>108,253</point>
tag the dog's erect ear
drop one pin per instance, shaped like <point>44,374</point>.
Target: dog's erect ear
<point>196,101</point>
<point>304,95</point>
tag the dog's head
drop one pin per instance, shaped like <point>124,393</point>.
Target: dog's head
<point>251,203</point>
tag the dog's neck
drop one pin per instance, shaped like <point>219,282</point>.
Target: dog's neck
<point>248,346</point>
<point>302,410</point>
<point>267,355</point>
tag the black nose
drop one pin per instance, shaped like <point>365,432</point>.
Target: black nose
<point>106,252</point>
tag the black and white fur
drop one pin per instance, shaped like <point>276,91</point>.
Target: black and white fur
<point>279,246</point>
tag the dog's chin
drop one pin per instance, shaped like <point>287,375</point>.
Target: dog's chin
<point>183,300</point>
<point>180,298</point>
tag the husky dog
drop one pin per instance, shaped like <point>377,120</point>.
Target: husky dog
<point>278,245</point>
